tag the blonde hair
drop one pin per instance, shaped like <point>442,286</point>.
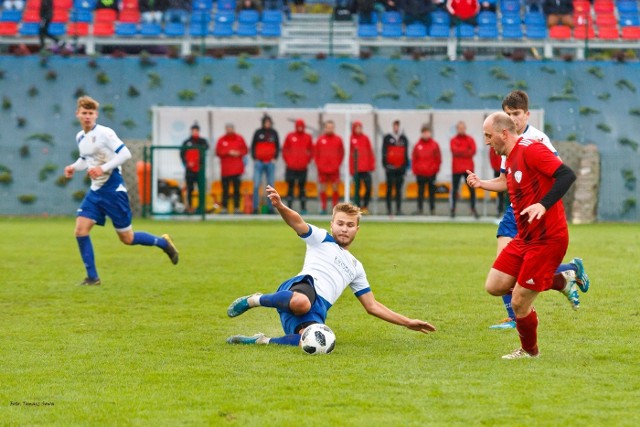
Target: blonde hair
<point>349,209</point>
<point>88,103</point>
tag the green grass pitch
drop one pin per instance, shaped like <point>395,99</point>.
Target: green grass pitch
<point>148,346</point>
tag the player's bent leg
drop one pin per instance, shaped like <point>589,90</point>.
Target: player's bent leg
<point>565,282</point>
<point>291,340</point>
<point>259,338</point>
<point>499,283</point>
<point>581,275</point>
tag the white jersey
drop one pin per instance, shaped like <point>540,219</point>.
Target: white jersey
<point>97,147</point>
<point>332,267</point>
<point>535,135</point>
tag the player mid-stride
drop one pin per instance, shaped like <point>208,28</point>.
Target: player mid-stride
<point>101,154</point>
<point>328,269</point>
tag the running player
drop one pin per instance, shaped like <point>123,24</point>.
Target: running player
<point>536,181</point>
<point>328,269</point>
<point>516,105</point>
<point>101,154</point>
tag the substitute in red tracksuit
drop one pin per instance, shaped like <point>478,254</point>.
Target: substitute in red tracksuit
<point>265,148</point>
<point>192,154</point>
<point>496,161</point>
<point>362,163</point>
<point>231,149</point>
<point>425,164</point>
<point>463,148</point>
<point>328,155</point>
<point>395,159</point>
<point>297,153</point>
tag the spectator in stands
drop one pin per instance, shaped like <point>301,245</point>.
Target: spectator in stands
<point>297,153</point>
<point>231,149</point>
<point>387,5</point>
<point>265,148</point>
<point>178,11</point>
<point>417,11</point>
<point>463,11</point>
<point>395,159</point>
<point>107,4</point>
<point>249,5</point>
<point>192,155</point>
<point>488,5</point>
<point>151,11</point>
<point>534,6</point>
<point>425,164</point>
<point>496,160</point>
<point>463,148</point>
<point>13,5</point>
<point>365,10</point>
<point>559,12</point>
<point>362,163</point>
<point>46,15</point>
<point>328,155</point>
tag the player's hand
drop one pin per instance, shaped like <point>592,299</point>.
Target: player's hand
<point>472,180</point>
<point>421,326</point>
<point>69,171</point>
<point>274,197</point>
<point>535,212</point>
<point>95,172</point>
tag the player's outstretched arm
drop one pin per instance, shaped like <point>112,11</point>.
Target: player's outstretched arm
<point>381,311</point>
<point>291,217</point>
<point>498,184</point>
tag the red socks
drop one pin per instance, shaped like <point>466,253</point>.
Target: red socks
<point>528,330</point>
<point>559,282</point>
<point>323,200</point>
<point>334,197</point>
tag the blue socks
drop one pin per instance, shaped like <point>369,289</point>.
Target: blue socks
<point>86,252</point>
<point>506,299</point>
<point>146,239</point>
<point>279,300</point>
<point>565,267</point>
<point>293,339</point>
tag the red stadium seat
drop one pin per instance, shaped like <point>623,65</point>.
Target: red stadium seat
<point>31,15</point>
<point>62,4</point>
<point>8,28</point>
<point>581,7</point>
<point>582,32</point>
<point>105,15</point>
<point>606,20</point>
<point>631,33</point>
<point>60,15</point>
<point>77,29</point>
<point>103,29</point>
<point>130,4</point>
<point>603,6</point>
<point>560,32</point>
<point>608,33</point>
<point>129,15</point>
<point>582,19</point>
<point>33,5</point>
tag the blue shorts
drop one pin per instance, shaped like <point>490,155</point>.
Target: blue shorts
<point>507,226</point>
<point>97,205</point>
<point>317,314</point>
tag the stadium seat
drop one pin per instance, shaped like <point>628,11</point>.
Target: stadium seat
<point>391,24</point>
<point>199,17</point>
<point>416,30</point>
<point>439,31</point>
<point>198,29</point>
<point>174,29</point>
<point>627,6</point>
<point>631,33</point>
<point>272,16</point>
<point>513,31</point>
<point>248,23</point>
<point>440,17</point>
<point>84,4</point>
<point>582,32</point>
<point>271,29</point>
<point>560,32</point>
<point>489,31</point>
<point>77,29</point>
<point>103,28</point>
<point>201,5</point>
<point>603,6</point>
<point>150,29</point>
<point>226,5</point>
<point>62,4</point>
<point>129,15</point>
<point>487,18</point>
<point>81,15</point>
<point>464,31</point>
<point>582,19</point>
<point>105,15</point>
<point>367,30</point>
<point>535,19</point>
<point>8,28</point>
<point>537,32</point>
<point>625,20</point>
<point>608,33</point>
<point>57,29</point>
<point>223,24</point>
<point>29,29</point>
<point>606,20</point>
<point>126,29</point>
<point>510,7</point>
<point>10,15</point>
<point>129,5</point>
<point>581,7</point>
<point>60,15</point>
<point>31,16</point>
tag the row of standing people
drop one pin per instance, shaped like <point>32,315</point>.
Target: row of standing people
<point>299,150</point>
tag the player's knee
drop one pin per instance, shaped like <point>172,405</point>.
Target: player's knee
<point>299,304</point>
<point>493,289</point>
<point>126,238</point>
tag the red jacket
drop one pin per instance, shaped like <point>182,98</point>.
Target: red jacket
<point>495,159</point>
<point>463,148</point>
<point>328,153</point>
<point>297,150</point>
<point>426,158</point>
<point>231,165</point>
<point>366,158</point>
<point>464,9</point>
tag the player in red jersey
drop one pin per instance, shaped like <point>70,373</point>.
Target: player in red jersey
<point>297,153</point>
<point>328,155</point>
<point>362,154</point>
<point>536,181</point>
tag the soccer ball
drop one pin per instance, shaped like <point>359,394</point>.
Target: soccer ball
<point>318,339</point>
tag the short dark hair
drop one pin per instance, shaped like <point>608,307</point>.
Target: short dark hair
<point>516,100</point>
<point>195,126</point>
<point>396,122</point>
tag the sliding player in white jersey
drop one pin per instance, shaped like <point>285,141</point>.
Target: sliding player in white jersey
<point>572,274</point>
<point>101,154</point>
<point>328,269</point>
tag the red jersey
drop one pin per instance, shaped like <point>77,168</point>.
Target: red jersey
<point>495,159</point>
<point>366,158</point>
<point>328,153</point>
<point>231,165</point>
<point>463,148</point>
<point>426,158</point>
<point>297,151</point>
<point>530,167</point>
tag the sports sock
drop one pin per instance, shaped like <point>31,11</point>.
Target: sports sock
<point>559,282</point>
<point>527,327</point>
<point>146,239</point>
<point>292,339</point>
<point>86,252</point>
<point>279,300</point>
<point>565,267</point>
<point>334,197</point>
<point>323,200</point>
<point>506,300</point>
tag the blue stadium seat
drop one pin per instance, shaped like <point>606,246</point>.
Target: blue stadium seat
<point>439,31</point>
<point>29,29</point>
<point>629,20</point>
<point>126,29</point>
<point>627,7</point>
<point>416,30</point>
<point>512,31</point>
<point>373,19</point>
<point>536,32</point>
<point>367,30</point>
<point>248,23</point>
<point>199,29</point>
<point>391,24</point>
<point>271,29</point>
<point>464,31</point>
<point>440,17</point>
<point>510,6</point>
<point>535,19</point>
<point>226,5</point>
<point>10,15</point>
<point>201,5</point>
<point>486,17</point>
<point>150,29</point>
<point>223,24</point>
<point>84,4</point>
<point>488,31</point>
<point>81,15</point>
<point>174,29</point>
<point>200,16</point>
<point>272,16</point>
<point>391,18</point>
<point>57,29</point>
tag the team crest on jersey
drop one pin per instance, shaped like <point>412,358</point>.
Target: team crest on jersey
<point>518,176</point>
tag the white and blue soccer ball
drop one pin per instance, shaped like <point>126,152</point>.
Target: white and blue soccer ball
<point>318,339</point>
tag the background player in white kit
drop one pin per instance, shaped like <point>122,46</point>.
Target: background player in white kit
<point>328,269</point>
<point>516,105</point>
<point>102,153</point>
